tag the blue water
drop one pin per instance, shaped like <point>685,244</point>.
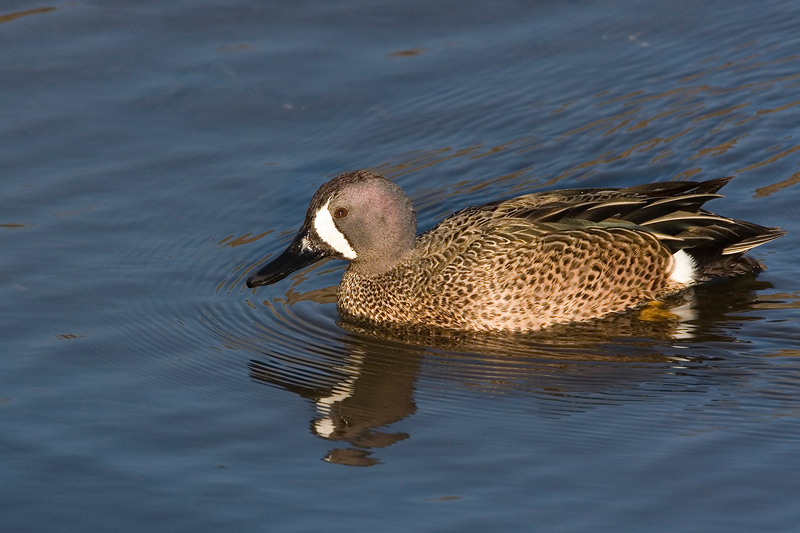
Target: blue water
<point>152,153</point>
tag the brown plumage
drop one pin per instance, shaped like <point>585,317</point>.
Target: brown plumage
<point>520,264</point>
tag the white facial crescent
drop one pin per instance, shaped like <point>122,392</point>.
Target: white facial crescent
<point>328,232</point>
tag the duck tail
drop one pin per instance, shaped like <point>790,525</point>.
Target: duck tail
<point>716,244</point>
<point>722,253</point>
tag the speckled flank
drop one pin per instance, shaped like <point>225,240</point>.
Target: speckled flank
<point>514,284</point>
<point>540,259</point>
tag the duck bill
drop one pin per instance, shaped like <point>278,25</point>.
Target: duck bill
<point>295,257</point>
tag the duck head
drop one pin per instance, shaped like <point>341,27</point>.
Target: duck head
<point>360,217</point>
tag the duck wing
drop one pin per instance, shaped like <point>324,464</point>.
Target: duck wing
<point>672,212</point>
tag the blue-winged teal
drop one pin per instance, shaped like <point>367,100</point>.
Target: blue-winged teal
<point>518,264</point>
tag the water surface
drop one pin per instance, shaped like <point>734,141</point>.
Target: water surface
<point>154,153</point>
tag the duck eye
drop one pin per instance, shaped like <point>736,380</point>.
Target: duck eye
<point>340,212</point>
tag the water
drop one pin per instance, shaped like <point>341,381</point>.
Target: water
<point>153,153</point>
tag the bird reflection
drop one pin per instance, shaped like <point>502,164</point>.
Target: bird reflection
<point>354,399</point>
<point>366,383</point>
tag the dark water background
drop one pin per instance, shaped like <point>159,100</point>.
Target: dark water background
<point>151,153</point>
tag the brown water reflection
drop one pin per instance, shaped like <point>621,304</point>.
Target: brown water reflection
<point>19,14</point>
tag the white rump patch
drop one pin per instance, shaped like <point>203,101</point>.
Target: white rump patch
<point>682,268</point>
<point>328,232</point>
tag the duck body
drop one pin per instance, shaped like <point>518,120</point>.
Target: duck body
<point>521,264</point>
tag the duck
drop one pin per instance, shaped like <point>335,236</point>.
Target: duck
<point>520,264</point>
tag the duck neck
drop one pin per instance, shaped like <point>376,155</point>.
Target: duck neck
<point>381,260</point>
